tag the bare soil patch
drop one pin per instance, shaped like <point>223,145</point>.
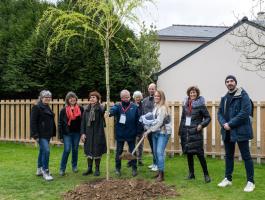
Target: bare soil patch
<point>115,189</point>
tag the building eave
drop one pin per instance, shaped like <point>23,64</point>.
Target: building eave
<point>185,39</point>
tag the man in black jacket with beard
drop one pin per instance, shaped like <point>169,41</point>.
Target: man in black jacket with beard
<point>234,118</point>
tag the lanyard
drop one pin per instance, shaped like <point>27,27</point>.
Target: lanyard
<point>125,110</point>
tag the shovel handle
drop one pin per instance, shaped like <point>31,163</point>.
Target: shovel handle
<point>139,143</point>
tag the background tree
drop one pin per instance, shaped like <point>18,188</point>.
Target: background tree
<point>146,63</point>
<point>17,22</point>
<point>250,42</point>
<point>26,68</point>
<point>103,18</point>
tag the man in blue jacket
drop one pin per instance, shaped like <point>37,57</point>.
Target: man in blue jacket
<point>234,118</point>
<point>126,127</point>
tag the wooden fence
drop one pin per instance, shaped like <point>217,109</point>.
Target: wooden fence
<point>15,126</point>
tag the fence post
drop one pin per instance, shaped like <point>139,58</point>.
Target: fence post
<point>2,123</point>
<point>209,128</point>
<point>27,118</point>
<point>17,125</point>
<point>22,120</point>
<point>262,128</point>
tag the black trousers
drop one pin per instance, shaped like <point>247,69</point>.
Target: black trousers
<point>229,159</point>
<point>119,150</point>
<point>202,161</point>
<point>150,139</point>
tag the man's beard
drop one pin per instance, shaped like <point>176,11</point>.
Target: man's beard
<point>232,89</point>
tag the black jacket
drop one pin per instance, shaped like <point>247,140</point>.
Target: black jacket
<point>191,139</point>
<point>95,144</point>
<point>42,123</point>
<point>63,127</point>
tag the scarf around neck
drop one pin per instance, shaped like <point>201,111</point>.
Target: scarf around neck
<point>72,113</point>
<point>92,115</point>
<point>190,104</point>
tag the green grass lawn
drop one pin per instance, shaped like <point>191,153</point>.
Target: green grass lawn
<point>18,179</point>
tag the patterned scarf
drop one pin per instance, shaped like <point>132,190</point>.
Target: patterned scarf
<point>92,115</point>
<point>72,113</point>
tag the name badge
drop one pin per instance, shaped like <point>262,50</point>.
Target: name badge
<point>188,121</point>
<point>122,119</point>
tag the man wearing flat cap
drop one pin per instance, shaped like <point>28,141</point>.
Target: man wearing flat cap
<point>234,118</point>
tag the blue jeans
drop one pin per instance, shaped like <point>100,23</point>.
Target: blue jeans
<point>159,145</point>
<point>71,141</point>
<point>229,159</point>
<point>44,153</point>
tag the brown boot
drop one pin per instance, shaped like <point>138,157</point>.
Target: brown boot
<point>156,175</point>
<point>160,177</point>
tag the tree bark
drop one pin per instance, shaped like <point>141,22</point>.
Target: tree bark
<point>106,56</point>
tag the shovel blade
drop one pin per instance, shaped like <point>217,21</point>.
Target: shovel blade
<point>127,156</point>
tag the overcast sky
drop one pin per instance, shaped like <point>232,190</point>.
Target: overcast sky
<point>197,12</point>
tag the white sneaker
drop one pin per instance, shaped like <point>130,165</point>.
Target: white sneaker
<point>39,171</point>
<point>151,166</point>
<point>155,168</point>
<point>47,176</point>
<point>225,183</point>
<point>249,187</point>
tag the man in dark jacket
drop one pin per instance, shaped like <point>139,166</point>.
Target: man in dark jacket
<point>148,106</point>
<point>234,118</point>
<point>126,126</point>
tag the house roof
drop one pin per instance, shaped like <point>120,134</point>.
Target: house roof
<point>192,32</point>
<point>244,20</point>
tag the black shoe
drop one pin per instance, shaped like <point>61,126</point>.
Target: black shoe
<point>134,172</point>
<point>140,163</point>
<point>89,171</point>
<point>190,176</point>
<point>118,172</point>
<point>207,179</point>
<point>97,173</point>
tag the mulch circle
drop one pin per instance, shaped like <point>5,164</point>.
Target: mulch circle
<point>115,189</point>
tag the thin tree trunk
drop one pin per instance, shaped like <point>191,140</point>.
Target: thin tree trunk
<point>106,55</point>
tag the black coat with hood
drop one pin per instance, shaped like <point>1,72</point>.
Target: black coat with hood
<point>191,139</point>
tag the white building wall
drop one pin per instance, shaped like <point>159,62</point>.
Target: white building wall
<point>170,51</point>
<point>207,69</point>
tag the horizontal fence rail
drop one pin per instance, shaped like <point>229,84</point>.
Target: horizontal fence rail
<point>15,126</point>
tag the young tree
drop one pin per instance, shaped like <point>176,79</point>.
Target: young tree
<point>104,18</point>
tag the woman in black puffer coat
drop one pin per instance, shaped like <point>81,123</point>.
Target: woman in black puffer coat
<point>194,118</point>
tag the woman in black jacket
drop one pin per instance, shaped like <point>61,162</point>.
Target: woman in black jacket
<point>69,130</point>
<point>92,133</point>
<point>42,129</point>
<point>194,118</point>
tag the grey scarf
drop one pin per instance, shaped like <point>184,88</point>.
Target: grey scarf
<point>91,115</point>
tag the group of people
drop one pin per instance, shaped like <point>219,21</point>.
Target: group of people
<point>144,117</point>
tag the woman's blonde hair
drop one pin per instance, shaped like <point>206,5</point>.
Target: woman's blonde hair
<point>162,99</point>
